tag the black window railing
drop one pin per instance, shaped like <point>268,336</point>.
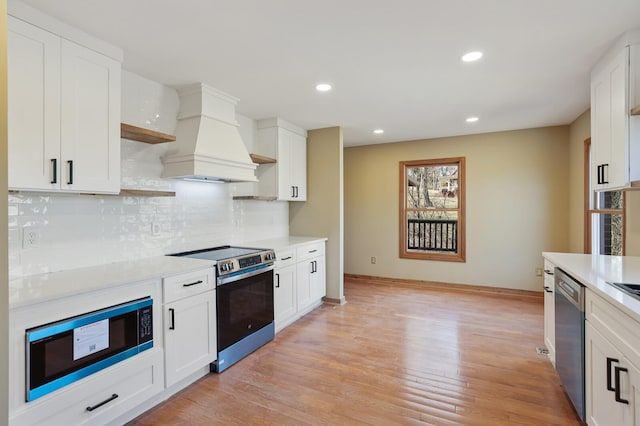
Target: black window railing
<point>433,235</point>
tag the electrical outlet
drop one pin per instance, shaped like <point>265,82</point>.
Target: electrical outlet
<point>30,237</point>
<point>373,260</point>
<point>155,229</point>
<point>538,272</point>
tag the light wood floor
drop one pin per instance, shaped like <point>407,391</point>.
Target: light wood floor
<point>393,354</point>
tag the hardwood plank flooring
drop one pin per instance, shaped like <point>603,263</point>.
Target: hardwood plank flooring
<point>394,354</point>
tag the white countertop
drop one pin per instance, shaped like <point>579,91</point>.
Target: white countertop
<point>38,288</point>
<point>283,242</point>
<point>595,272</point>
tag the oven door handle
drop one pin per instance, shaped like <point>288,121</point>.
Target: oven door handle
<point>234,278</point>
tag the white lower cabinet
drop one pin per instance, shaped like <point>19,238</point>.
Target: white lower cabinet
<point>189,324</point>
<point>612,375</point>
<point>284,295</point>
<point>549,310</point>
<point>102,397</point>
<point>299,282</point>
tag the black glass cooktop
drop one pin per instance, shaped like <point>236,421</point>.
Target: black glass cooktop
<point>218,253</point>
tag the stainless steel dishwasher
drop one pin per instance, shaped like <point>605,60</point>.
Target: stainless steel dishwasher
<point>569,311</point>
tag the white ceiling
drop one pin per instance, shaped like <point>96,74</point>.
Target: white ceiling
<point>393,64</point>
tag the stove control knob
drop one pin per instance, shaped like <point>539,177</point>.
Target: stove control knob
<point>232,266</point>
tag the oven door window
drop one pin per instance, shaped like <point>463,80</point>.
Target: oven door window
<point>244,306</point>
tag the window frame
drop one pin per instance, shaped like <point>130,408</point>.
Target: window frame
<point>404,253</point>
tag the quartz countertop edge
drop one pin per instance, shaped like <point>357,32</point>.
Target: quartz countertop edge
<point>597,271</point>
<point>33,289</point>
<point>284,242</point>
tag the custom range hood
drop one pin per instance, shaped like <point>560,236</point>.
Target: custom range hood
<point>208,145</point>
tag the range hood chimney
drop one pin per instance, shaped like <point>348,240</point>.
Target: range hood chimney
<point>208,145</point>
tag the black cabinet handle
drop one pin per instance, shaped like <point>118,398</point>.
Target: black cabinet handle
<point>296,192</point>
<point>70,181</point>
<point>548,272</point>
<point>195,283</point>
<point>547,289</point>
<point>172,312</point>
<point>603,168</point>
<point>54,164</point>
<point>314,266</point>
<point>106,401</point>
<point>277,280</point>
<point>313,251</point>
<point>609,362</point>
<point>618,397</point>
<point>286,258</point>
<point>598,179</point>
<point>293,192</point>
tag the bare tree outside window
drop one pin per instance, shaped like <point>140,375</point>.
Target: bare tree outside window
<point>432,209</point>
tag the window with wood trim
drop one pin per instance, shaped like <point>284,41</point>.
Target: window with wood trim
<point>605,214</point>
<point>432,215</point>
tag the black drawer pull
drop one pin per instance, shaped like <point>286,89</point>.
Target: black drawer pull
<point>548,272</point>
<point>54,163</point>
<point>547,289</point>
<point>172,312</point>
<point>286,258</point>
<point>70,181</point>
<point>618,397</point>
<point>106,401</point>
<point>609,362</point>
<point>277,280</point>
<point>195,283</point>
<point>313,251</point>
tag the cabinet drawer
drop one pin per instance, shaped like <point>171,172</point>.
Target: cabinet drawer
<point>133,381</point>
<point>189,284</point>
<point>285,258</point>
<point>310,250</point>
<point>622,330</point>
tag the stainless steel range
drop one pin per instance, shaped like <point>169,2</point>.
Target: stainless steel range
<point>244,300</point>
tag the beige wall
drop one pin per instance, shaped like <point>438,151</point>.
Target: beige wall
<point>517,199</point>
<point>322,214</point>
<point>579,131</point>
<point>4,255</point>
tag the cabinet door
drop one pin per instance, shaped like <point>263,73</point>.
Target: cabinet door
<point>549,311</point>
<point>602,408</point>
<point>33,107</point>
<point>633,413</point>
<point>609,124</point>
<point>284,294</point>
<point>285,157</point>
<point>190,335</point>
<point>90,120</point>
<point>318,279</point>
<point>303,284</point>
<point>299,166</point>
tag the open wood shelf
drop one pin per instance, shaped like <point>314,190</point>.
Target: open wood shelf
<point>146,193</point>
<point>135,133</point>
<point>255,197</point>
<point>635,110</point>
<point>261,159</point>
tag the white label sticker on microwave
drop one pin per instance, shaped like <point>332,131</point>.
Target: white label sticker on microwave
<point>90,338</point>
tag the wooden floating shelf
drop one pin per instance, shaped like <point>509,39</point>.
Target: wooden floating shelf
<point>135,133</point>
<point>255,197</point>
<point>261,159</point>
<point>146,193</point>
<point>635,110</point>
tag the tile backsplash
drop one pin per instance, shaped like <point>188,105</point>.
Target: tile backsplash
<point>51,232</point>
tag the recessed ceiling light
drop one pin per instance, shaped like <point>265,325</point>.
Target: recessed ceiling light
<point>323,87</point>
<point>378,131</point>
<point>472,119</point>
<point>471,56</point>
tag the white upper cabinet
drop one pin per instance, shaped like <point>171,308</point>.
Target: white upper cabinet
<point>286,179</point>
<point>34,106</point>
<point>615,133</point>
<point>64,111</point>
